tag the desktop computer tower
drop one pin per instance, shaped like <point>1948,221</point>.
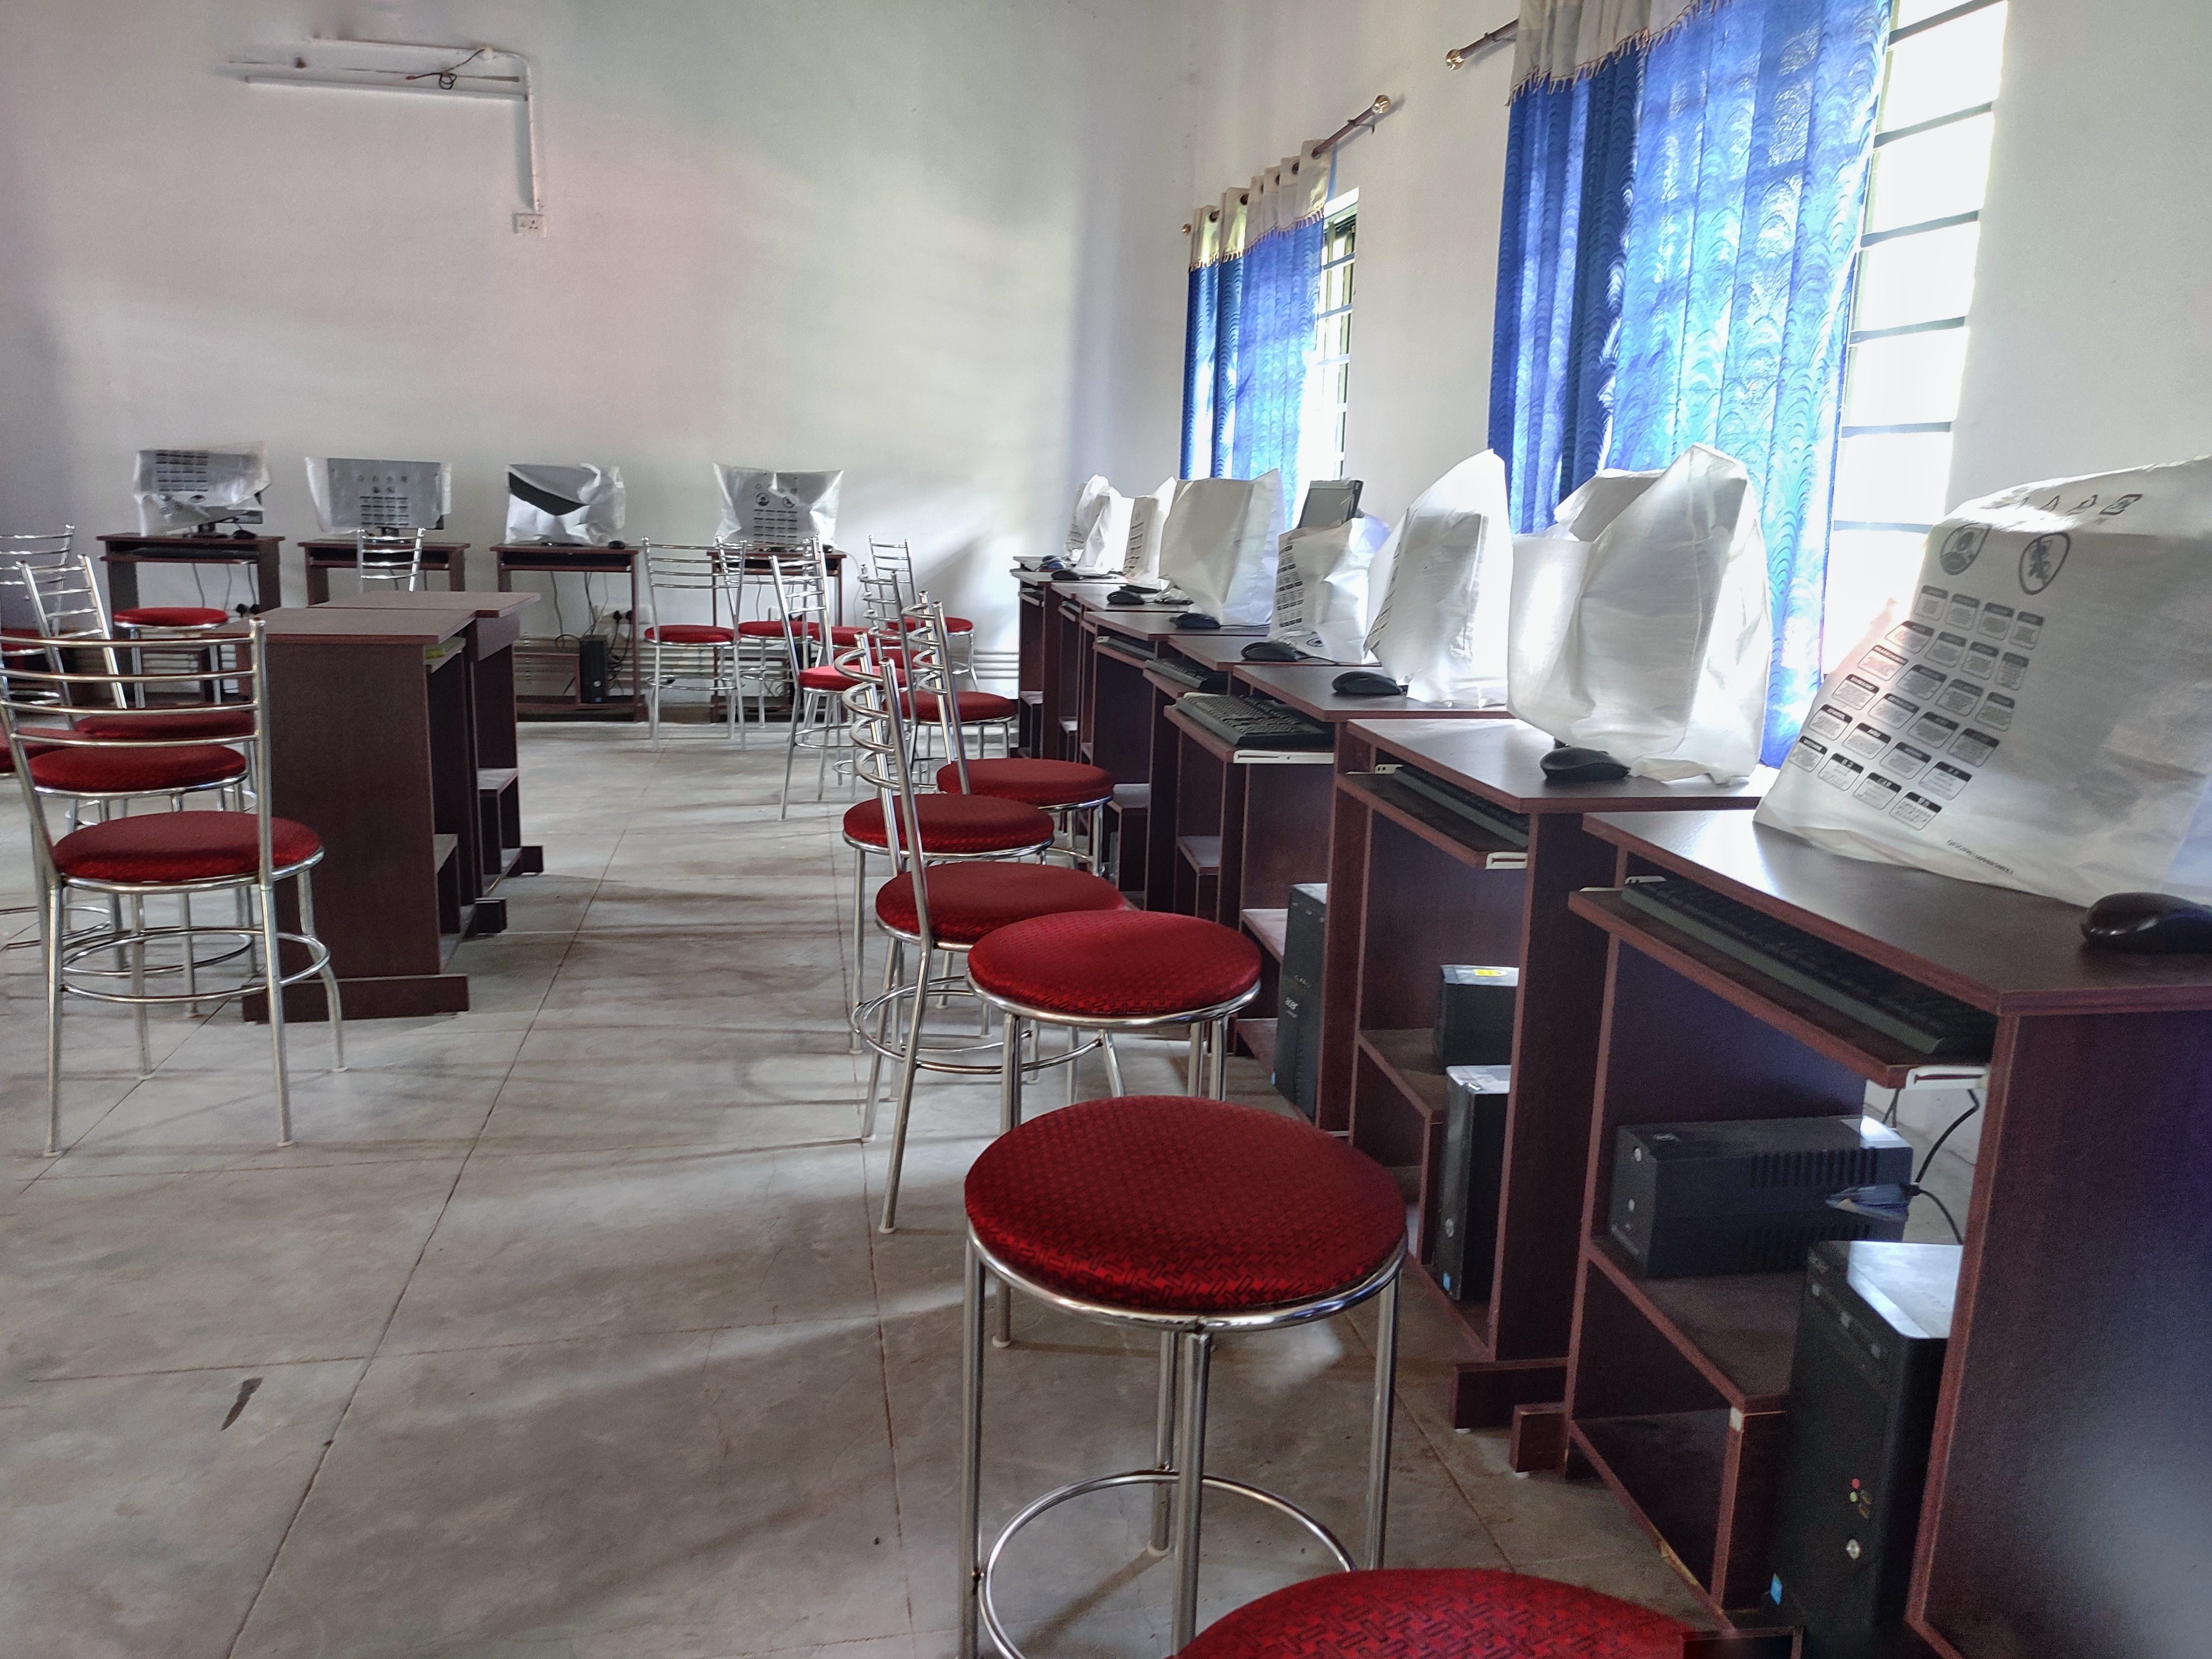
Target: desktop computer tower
<point>1750,1197</point>
<point>1863,1386</point>
<point>1470,1183</point>
<point>1297,1001</point>
<point>1474,1015</point>
<point>591,669</point>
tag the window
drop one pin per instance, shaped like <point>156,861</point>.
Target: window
<point>1328,379</point>
<point>1912,297</point>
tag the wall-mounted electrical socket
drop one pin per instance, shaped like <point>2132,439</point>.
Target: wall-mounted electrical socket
<point>530,224</point>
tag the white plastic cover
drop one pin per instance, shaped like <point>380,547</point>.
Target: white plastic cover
<point>353,494</point>
<point>180,490</point>
<point>1321,590</point>
<point>1446,578</point>
<point>1098,534</point>
<point>1641,620</point>
<point>565,506</point>
<point>777,509</point>
<point>1148,526</point>
<point>2039,714</point>
<point>1219,547</point>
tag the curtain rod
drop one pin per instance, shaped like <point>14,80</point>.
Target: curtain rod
<point>1458,55</point>
<point>1367,117</point>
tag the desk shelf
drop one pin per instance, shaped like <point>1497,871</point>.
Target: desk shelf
<point>1269,927</point>
<point>1451,836</point>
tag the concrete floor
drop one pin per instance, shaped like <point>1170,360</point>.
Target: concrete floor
<point>564,1333</point>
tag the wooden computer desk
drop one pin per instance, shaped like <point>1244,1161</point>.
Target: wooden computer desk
<point>124,553</point>
<point>1061,646</point>
<point>391,735</point>
<point>327,553</point>
<point>588,562</point>
<point>1413,887</point>
<point>2071,1422</point>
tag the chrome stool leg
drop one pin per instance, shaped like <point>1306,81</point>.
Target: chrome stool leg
<point>1190,1481</point>
<point>57,917</point>
<point>328,975</point>
<point>274,970</point>
<point>1163,1444</point>
<point>971,1448</point>
<point>1378,1441</point>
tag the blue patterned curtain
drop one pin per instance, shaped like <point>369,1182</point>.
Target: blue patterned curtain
<point>1200,318</point>
<point>1753,133</point>
<point>1570,163</point>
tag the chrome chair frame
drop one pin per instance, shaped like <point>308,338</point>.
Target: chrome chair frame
<point>1179,1434</point>
<point>407,571</point>
<point>895,559</point>
<point>689,568</point>
<point>63,951</point>
<point>802,602</point>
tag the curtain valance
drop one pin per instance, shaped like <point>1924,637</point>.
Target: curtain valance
<point>1561,40</point>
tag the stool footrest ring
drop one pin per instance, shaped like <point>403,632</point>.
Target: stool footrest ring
<point>1051,1500</point>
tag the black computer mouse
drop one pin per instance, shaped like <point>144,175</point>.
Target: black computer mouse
<point>1272,651</point>
<point>1127,596</point>
<point>618,547</point>
<point>1064,574</point>
<point>1195,619</point>
<point>2153,924</point>
<point>1365,682</point>
<point>1567,764</point>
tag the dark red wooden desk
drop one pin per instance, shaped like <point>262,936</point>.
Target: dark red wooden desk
<point>586,561</point>
<point>2065,1510</point>
<point>327,553</point>
<point>124,554</point>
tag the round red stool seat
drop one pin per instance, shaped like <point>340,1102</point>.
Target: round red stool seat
<point>1439,1612</point>
<point>825,678</point>
<point>203,723</point>
<point>1138,964</point>
<point>172,615</point>
<point>1174,1204</point>
<point>957,823</point>
<point>970,706</point>
<point>968,901</point>
<point>769,628</point>
<point>8,755</point>
<point>174,846</point>
<point>1038,782</point>
<point>689,634</point>
<point>87,771</point>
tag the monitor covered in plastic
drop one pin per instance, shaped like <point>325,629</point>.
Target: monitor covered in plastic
<point>182,489</point>
<point>777,509</point>
<point>359,494</point>
<point>563,506</point>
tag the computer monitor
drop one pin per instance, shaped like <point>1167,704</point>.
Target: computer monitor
<point>778,509</point>
<point>182,489</point>
<point>1329,503</point>
<point>563,506</point>
<point>356,494</point>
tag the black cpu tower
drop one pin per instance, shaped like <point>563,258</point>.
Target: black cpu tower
<point>1469,1185</point>
<point>591,672</point>
<point>1298,1003</point>
<point>1863,1388</point>
<point>1474,1015</point>
<point>1745,1197</point>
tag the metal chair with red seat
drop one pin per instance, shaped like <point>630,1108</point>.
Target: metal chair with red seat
<point>783,639</point>
<point>164,854</point>
<point>1069,790</point>
<point>1193,1219</point>
<point>704,653</point>
<point>895,560</point>
<point>1440,1613</point>
<point>818,682</point>
<point>944,910</point>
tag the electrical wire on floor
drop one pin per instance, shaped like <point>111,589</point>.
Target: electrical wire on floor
<point>1928,1163</point>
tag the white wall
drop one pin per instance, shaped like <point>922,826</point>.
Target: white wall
<point>900,239</point>
<point>2091,348</point>
<point>1267,73</point>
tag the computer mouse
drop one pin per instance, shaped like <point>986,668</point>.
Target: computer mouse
<point>1567,764</point>
<point>1272,651</point>
<point>1365,682</point>
<point>1064,574</point>
<point>1126,596</point>
<point>2153,924</point>
<point>1195,619</point>
<point>618,547</point>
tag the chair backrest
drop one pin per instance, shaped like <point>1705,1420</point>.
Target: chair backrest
<point>29,695</point>
<point>37,547</point>
<point>925,626</point>
<point>686,567</point>
<point>66,604</point>
<point>389,555</point>
<point>802,601</point>
<point>894,560</point>
<point>882,742</point>
<point>882,600</point>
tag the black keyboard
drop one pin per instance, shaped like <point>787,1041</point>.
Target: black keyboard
<point>1190,677</point>
<point>1487,816</point>
<point>1123,646</point>
<point>1247,724</point>
<point>1926,1021</point>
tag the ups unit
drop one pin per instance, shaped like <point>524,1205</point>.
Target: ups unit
<point>1468,1184</point>
<point>1474,1015</point>
<point>1692,1199</point>
<point>1863,1388</point>
<point>592,669</point>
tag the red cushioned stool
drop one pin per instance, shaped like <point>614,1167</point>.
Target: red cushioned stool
<point>946,909</point>
<point>1439,1612</point>
<point>1194,1220</point>
<point>126,861</point>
